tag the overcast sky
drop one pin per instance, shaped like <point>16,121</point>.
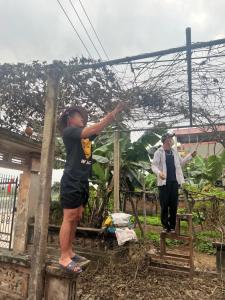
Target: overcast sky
<point>37,29</point>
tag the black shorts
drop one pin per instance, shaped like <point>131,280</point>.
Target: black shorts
<point>74,194</point>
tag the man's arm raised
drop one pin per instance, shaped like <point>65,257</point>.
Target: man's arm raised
<point>107,120</point>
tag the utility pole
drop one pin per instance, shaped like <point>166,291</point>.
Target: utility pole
<point>36,285</point>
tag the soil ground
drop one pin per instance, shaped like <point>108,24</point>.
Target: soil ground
<point>133,278</point>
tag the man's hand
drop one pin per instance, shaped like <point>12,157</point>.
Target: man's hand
<point>120,106</point>
<point>193,154</point>
<point>162,176</point>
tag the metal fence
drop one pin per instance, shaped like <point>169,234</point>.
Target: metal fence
<point>8,196</point>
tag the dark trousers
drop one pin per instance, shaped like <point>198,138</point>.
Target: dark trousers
<point>168,197</point>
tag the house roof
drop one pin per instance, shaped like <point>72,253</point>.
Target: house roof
<point>195,130</point>
<point>199,135</point>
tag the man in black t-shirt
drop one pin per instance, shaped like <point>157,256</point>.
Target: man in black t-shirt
<point>74,189</point>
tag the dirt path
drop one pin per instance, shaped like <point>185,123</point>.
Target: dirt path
<point>134,279</point>
<point>139,281</point>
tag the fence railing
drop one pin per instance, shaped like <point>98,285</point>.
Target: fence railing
<point>8,195</point>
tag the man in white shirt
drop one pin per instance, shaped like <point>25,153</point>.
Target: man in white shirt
<point>167,165</point>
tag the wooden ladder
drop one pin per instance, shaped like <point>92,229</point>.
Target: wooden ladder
<point>188,259</point>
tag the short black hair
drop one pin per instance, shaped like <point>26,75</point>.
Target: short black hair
<point>69,112</point>
<point>166,136</point>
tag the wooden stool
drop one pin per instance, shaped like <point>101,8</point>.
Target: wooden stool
<point>177,236</point>
<point>184,217</point>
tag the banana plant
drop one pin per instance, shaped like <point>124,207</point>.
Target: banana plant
<point>202,170</point>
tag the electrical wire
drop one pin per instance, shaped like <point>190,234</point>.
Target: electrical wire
<point>88,35</point>
<point>97,36</point>
<point>71,23</point>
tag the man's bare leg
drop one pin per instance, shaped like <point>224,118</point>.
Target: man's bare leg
<point>72,237</point>
<point>73,231</point>
<point>69,217</point>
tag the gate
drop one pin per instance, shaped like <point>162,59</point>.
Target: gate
<point>8,193</point>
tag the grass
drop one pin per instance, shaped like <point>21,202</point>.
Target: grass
<point>204,239</point>
<point>208,234</point>
<point>202,244</point>
<point>155,238</point>
<point>155,221</point>
<point>151,220</point>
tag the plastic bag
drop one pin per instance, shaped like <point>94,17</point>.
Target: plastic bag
<point>124,235</point>
<point>121,219</point>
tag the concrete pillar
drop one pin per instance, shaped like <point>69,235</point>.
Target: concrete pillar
<point>26,204</point>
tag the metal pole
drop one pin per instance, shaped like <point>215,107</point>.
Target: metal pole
<point>13,211</point>
<point>36,285</point>
<point>118,61</point>
<point>116,171</point>
<point>175,143</point>
<point>189,71</point>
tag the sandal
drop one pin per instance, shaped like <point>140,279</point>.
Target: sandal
<point>78,258</point>
<point>71,266</point>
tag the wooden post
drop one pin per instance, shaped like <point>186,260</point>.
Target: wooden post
<point>36,288</point>
<point>116,171</point>
<point>144,204</point>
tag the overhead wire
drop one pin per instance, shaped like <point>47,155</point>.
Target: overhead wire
<point>100,43</point>
<point>71,23</point>
<point>88,35</point>
<point>97,36</point>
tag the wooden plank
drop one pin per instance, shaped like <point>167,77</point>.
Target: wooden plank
<point>168,256</point>
<point>181,259</point>
<point>170,266</point>
<point>174,236</point>
<point>182,272</point>
<point>177,255</point>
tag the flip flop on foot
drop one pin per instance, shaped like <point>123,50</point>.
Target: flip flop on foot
<point>72,267</point>
<point>78,258</point>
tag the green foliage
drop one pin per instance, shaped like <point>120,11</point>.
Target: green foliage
<point>205,247</point>
<point>197,216</point>
<point>208,234</point>
<point>204,239</point>
<point>151,220</point>
<point>101,173</point>
<point>207,190</point>
<point>202,170</point>
<point>151,236</point>
<point>56,213</point>
<point>100,159</point>
<point>151,183</point>
<point>22,90</point>
<point>155,238</point>
<point>134,158</point>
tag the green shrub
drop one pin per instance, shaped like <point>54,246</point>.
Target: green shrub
<point>204,239</point>
<point>204,247</point>
<point>55,213</point>
<point>151,220</point>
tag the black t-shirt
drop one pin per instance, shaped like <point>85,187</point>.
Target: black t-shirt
<point>170,166</point>
<point>78,155</point>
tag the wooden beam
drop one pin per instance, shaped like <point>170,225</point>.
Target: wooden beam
<point>42,213</point>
